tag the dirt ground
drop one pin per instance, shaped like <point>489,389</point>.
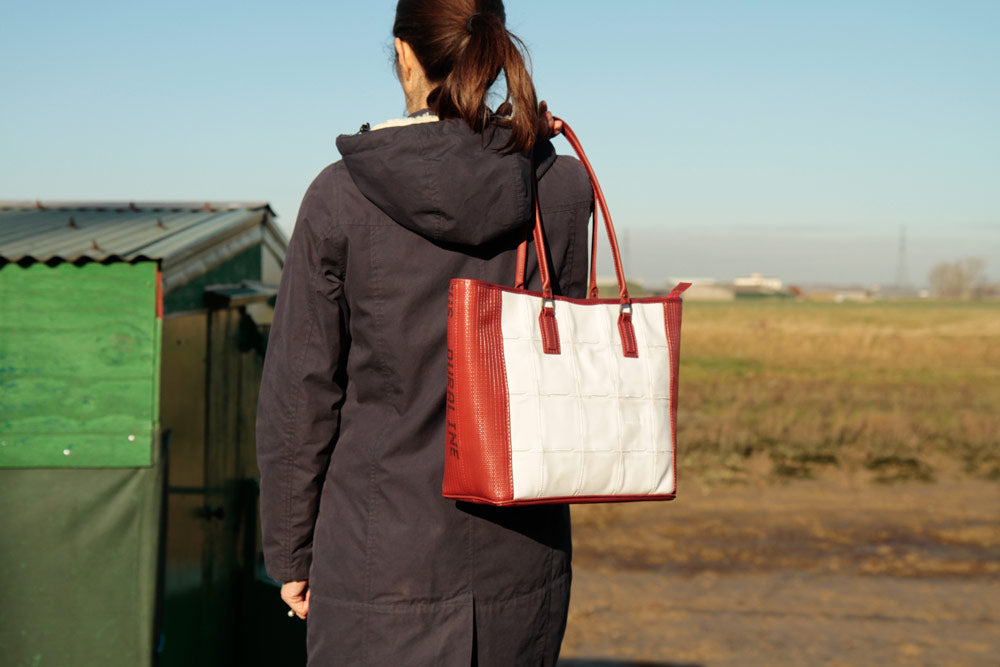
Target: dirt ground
<point>838,570</point>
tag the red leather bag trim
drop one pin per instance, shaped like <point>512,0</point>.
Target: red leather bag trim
<point>627,332</point>
<point>477,448</point>
<point>566,299</point>
<point>678,289</point>
<point>672,321</point>
<point>550,330</point>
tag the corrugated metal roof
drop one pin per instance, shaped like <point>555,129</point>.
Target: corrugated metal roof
<point>187,239</point>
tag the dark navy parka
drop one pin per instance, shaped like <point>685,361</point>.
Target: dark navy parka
<point>351,417</point>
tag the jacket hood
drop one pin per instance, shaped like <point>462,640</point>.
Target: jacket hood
<point>444,181</point>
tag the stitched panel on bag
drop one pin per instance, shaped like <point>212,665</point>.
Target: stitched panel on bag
<point>617,408</point>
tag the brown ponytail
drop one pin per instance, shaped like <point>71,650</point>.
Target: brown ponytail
<point>463,46</point>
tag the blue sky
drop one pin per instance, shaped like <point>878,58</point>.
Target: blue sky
<point>794,138</point>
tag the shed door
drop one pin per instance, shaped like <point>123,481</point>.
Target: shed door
<point>220,608</point>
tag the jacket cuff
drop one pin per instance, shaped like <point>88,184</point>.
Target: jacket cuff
<point>289,572</point>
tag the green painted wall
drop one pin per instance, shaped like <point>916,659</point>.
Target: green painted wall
<point>191,296</point>
<point>79,364</point>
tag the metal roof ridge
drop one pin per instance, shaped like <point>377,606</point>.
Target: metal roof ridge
<point>134,205</point>
<point>187,266</point>
<point>195,228</point>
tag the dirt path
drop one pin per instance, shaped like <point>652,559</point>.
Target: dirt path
<point>835,571</point>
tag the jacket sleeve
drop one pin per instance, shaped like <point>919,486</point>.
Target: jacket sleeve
<point>302,389</point>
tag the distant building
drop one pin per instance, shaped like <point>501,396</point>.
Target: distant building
<point>759,282</point>
<point>706,289</point>
<point>756,285</point>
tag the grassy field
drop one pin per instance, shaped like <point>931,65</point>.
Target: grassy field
<point>904,390</point>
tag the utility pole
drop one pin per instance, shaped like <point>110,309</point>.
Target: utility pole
<point>902,274</point>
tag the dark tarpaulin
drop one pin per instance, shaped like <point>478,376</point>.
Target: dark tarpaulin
<point>78,555</point>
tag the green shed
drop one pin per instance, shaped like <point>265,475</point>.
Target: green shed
<point>131,344</point>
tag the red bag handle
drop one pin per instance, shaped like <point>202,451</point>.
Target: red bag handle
<point>547,317</point>
<point>592,289</point>
<point>600,204</point>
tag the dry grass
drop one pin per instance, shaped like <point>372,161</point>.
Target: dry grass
<point>900,389</point>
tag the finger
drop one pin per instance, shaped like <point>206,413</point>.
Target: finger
<point>300,609</point>
<point>305,604</point>
<point>544,128</point>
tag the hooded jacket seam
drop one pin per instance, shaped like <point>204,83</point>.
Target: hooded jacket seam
<point>570,250</point>
<point>318,241</point>
<point>432,188</point>
<point>525,193</point>
<point>291,419</point>
<point>385,374</point>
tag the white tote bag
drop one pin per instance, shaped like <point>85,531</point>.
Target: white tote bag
<point>557,400</point>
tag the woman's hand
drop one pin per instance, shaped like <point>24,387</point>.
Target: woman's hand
<point>548,125</point>
<point>296,595</point>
